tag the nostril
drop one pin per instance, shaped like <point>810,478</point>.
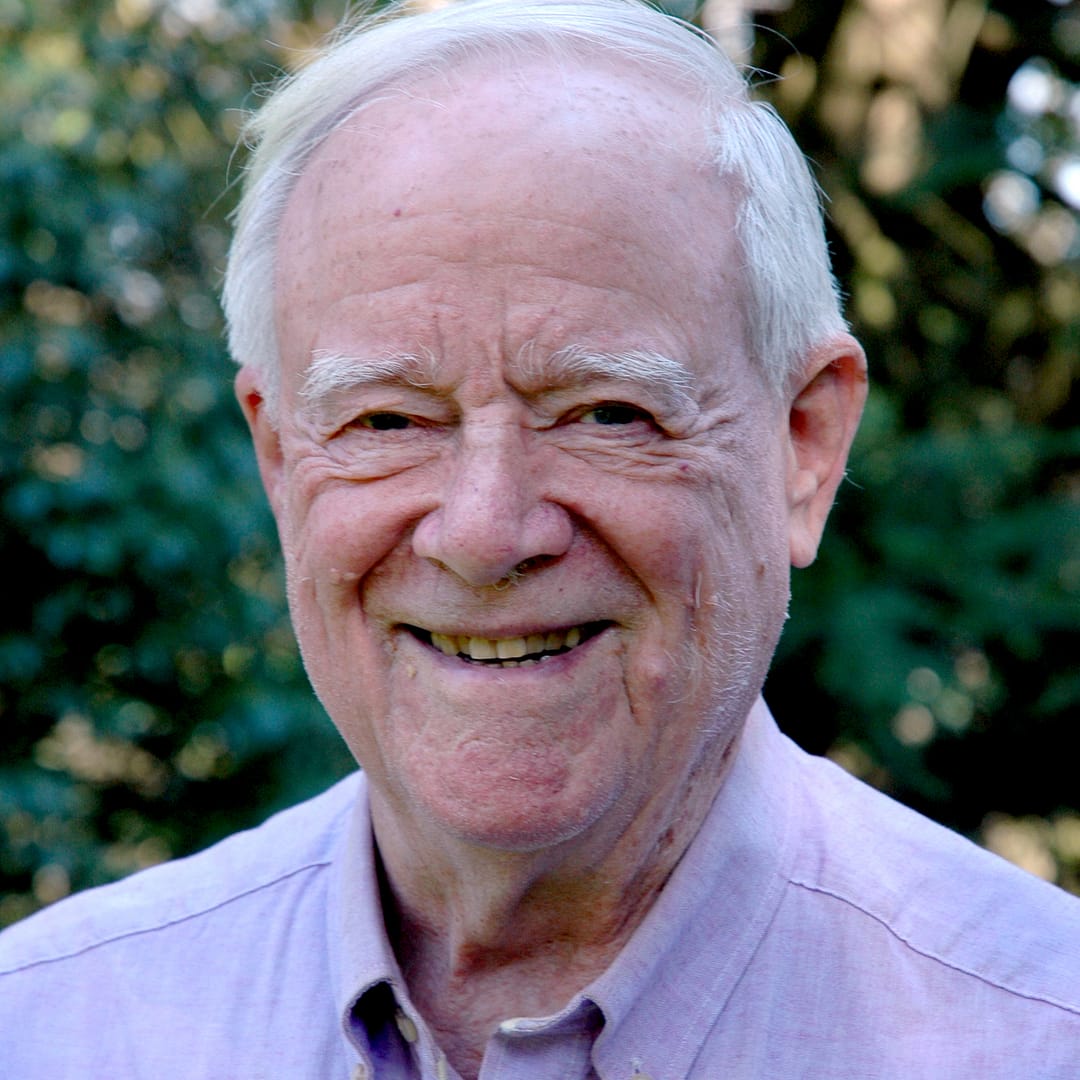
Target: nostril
<point>522,568</point>
<point>536,562</point>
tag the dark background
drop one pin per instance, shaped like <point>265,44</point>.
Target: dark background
<point>151,695</point>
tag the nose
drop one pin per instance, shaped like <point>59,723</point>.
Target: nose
<point>492,515</point>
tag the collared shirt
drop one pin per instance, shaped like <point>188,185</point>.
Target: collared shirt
<point>814,929</point>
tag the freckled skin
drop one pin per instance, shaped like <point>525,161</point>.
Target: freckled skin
<point>477,218</point>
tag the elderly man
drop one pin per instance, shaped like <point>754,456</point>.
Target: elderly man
<point>548,387</point>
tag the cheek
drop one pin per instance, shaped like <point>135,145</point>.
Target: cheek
<point>334,531</point>
<point>331,542</point>
<point>715,564</point>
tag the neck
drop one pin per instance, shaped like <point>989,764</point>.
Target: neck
<point>483,935</point>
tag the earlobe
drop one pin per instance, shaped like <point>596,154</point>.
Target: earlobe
<point>822,420</point>
<point>264,432</point>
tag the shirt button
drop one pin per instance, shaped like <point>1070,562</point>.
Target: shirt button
<point>361,1072</point>
<point>518,1025</point>
<point>406,1027</point>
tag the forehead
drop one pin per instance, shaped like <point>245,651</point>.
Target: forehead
<point>587,175</point>
<point>616,117</point>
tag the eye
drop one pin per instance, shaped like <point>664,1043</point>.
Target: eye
<point>613,412</point>
<point>382,421</point>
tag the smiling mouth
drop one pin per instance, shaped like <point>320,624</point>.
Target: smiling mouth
<point>509,652</point>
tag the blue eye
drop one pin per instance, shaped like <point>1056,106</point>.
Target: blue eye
<point>613,414</point>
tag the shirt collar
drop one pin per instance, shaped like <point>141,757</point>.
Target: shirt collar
<point>668,986</point>
<point>361,958</point>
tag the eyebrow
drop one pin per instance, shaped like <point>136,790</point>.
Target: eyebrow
<point>663,376</point>
<point>331,374</point>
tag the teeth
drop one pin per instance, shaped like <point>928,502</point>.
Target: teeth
<point>481,648</point>
<point>510,648</point>
<point>507,649</point>
<point>445,644</point>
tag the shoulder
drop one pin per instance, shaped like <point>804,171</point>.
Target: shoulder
<point>247,868</point>
<point>205,966</point>
<point>941,898</point>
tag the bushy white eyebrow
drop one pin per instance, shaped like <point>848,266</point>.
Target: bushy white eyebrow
<point>574,364</point>
<point>331,373</point>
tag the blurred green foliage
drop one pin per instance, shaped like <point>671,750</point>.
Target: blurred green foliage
<point>935,647</point>
<point>151,694</point>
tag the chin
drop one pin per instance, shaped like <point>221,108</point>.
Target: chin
<point>521,809</point>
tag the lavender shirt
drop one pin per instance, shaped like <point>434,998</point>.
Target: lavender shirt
<point>814,930</point>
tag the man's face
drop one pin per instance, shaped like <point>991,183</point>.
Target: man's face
<point>458,485</point>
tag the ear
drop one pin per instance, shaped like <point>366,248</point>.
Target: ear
<point>826,404</point>
<point>264,432</point>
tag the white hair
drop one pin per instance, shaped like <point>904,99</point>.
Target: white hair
<point>791,294</point>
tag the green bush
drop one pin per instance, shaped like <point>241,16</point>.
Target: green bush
<point>151,691</point>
